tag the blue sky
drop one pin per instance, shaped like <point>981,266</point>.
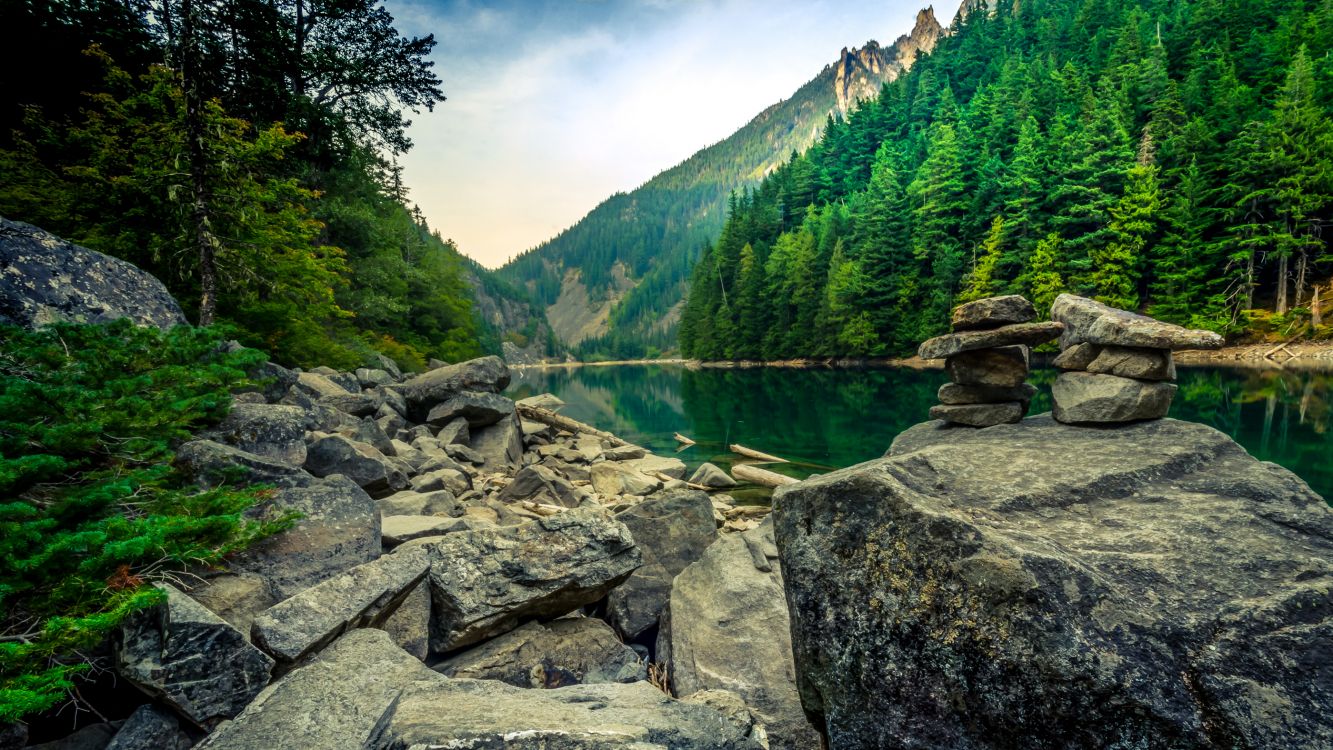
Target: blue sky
<point>555,105</point>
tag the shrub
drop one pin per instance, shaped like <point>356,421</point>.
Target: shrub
<point>90,506</point>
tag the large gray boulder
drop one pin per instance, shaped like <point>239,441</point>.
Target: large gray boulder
<point>153,727</point>
<point>1147,585</point>
<point>332,703</point>
<point>1025,334</point>
<point>500,445</point>
<point>484,583</point>
<point>541,485</point>
<point>1092,322</point>
<point>491,714</point>
<point>568,651</point>
<point>210,464</point>
<point>727,628</point>
<point>1089,398</point>
<point>191,659</point>
<point>992,312</point>
<point>360,462</point>
<point>270,430</point>
<point>486,374</point>
<point>44,279</point>
<point>672,530</point>
<point>610,478</point>
<point>479,409</point>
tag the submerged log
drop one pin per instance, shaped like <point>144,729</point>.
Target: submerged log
<point>756,455</point>
<point>546,416</point>
<point>683,440</point>
<point>756,475</point>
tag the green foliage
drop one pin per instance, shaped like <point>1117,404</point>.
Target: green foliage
<point>92,508</point>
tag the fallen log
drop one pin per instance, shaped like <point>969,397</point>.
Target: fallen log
<point>541,509</point>
<point>664,478</point>
<point>756,455</point>
<point>546,416</point>
<point>683,440</point>
<point>756,475</point>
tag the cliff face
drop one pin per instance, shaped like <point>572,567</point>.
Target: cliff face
<point>859,73</point>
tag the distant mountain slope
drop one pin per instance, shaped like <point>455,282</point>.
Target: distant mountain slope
<point>620,272</point>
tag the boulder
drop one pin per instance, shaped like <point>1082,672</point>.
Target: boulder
<point>356,404</point>
<point>456,432</point>
<point>709,475</point>
<point>624,453</point>
<point>479,409</point>
<point>484,583</point>
<point>363,596</point>
<point>1087,398</point>
<point>980,415</point>
<point>727,628</point>
<point>1076,357</point>
<point>210,464</point>
<point>546,401</point>
<point>399,529</point>
<point>568,651</point>
<point>491,714</point>
<point>236,598</point>
<point>653,464</point>
<point>318,387</point>
<point>151,727</point>
<point>409,624</point>
<point>359,462</point>
<point>734,710</point>
<point>993,312</point>
<point>368,432</point>
<point>464,453</point>
<point>268,430</point>
<point>487,374</point>
<point>410,503</point>
<point>190,659</point>
<point>501,444</point>
<point>611,478</point>
<point>1025,334</point>
<point>44,279</point>
<point>453,480</point>
<point>539,431</point>
<point>332,703</point>
<point>672,531</point>
<point>387,364</point>
<point>955,394</point>
<point>1144,585</point>
<point>1092,322</point>
<point>90,737</point>
<point>541,485</point>
<point>1001,367</point>
<point>369,377</point>
<point>1128,362</point>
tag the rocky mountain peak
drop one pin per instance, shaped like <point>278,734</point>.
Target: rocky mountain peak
<point>860,72</point>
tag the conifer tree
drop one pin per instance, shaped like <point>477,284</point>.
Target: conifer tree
<point>939,204</point>
<point>1134,223</point>
<point>981,282</point>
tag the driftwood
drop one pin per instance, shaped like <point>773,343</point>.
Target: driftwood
<point>1269,354</point>
<point>664,478</point>
<point>683,440</point>
<point>756,475</point>
<point>546,416</point>
<point>541,509</point>
<point>756,455</point>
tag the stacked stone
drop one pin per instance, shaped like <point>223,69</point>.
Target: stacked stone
<point>1117,365</point>
<point>987,358</point>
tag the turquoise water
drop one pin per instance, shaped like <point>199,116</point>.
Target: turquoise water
<point>822,419</point>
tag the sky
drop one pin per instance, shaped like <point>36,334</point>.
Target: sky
<point>555,105</point>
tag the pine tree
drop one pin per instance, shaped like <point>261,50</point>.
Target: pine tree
<point>1041,282</point>
<point>981,281</point>
<point>1134,223</point>
<point>939,205</point>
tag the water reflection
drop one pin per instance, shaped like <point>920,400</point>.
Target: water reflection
<point>829,418</point>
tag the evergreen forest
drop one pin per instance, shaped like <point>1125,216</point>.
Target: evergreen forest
<point>1173,157</point>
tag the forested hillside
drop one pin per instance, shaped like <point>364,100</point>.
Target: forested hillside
<point>243,152</point>
<point>656,232</point>
<point>1169,156</point>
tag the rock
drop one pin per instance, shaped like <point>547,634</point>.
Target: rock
<point>955,394</point>
<point>479,409</point>
<point>672,530</point>
<point>993,312</point>
<point>44,279</point>
<point>1144,585</point>
<point>236,598</point>
<point>710,475</point>
<point>1087,398</point>
<point>1076,357</point>
<point>191,659</point>
<point>569,651</point>
<point>542,401</point>
<point>541,485</point>
<point>452,480</point>
<point>464,453</point>
<point>210,464</point>
<point>91,737</point>
<point>363,596</point>
<point>487,374</point>
<point>332,703</point>
<point>624,453</point>
<point>614,478</point>
<point>151,727</point>
<point>409,624</point>
<point>409,503</point>
<point>539,430</point>
<point>653,464</point>
<point>456,432</point>
<point>727,627</point>
<point>1002,367</point>
<point>484,583</point>
<point>387,364</point>
<point>359,462</point>
<point>392,399</point>
<point>318,387</point>
<point>268,430</point>
<point>355,404</point>
<point>370,433</point>
<point>1092,322</point>
<point>1026,334</point>
<point>399,529</point>
<point>1140,364</point>
<point>501,444</point>
<point>734,710</point>
<point>491,714</point>
<point>370,377</point>
<point>13,735</point>
<point>980,415</point>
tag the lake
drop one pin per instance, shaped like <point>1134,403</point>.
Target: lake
<point>823,419</point>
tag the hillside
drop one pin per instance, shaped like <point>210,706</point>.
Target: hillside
<point>620,272</point>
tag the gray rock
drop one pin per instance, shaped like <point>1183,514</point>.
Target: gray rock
<point>210,464</point>
<point>370,377</point>
<point>392,399</point>
<point>955,394</point>
<point>1147,585</point>
<point>409,624</point>
<point>568,651</point>
<point>360,462</point>
<point>538,430</point>
<point>151,727</point>
<point>411,503</point>
<point>487,374</point>
<point>980,415</point>
<point>672,531</point>
<point>733,708</point>
<point>363,596</point>
<point>368,432</point>
<point>44,279</point>
<point>13,735</point>
<point>992,312</point>
<point>438,462</point>
<point>452,480</point>
<point>491,714</point>
<point>387,364</point>
<point>541,485</point>
<point>191,659</point>
<point>1026,334</point>
<point>484,583</point>
<point>710,475</point>
<point>623,453</point>
<point>654,464</point>
<point>355,404</point>
<point>1002,367</point>
<point>1092,322</point>
<point>273,380</point>
<point>1140,364</point>
<point>332,703</point>
<point>456,432</point>
<point>501,444</point>
<point>1087,398</point>
<point>399,529</point>
<point>546,401</point>
<point>1076,357</point>
<point>479,409</point>
<point>92,737</point>
<point>318,387</point>
<point>464,453</point>
<point>611,478</point>
<point>727,628</point>
<point>236,598</point>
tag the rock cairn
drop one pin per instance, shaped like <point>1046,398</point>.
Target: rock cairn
<point>1117,365</point>
<point>987,358</point>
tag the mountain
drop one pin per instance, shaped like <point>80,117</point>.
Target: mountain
<point>615,281</point>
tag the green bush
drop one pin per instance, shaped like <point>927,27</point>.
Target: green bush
<point>91,509</point>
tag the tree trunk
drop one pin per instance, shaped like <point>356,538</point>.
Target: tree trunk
<point>1283,271</point>
<point>298,75</point>
<point>756,475</point>
<point>205,241</point>
<point>1300,278</point>
<point>1316,316</point>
